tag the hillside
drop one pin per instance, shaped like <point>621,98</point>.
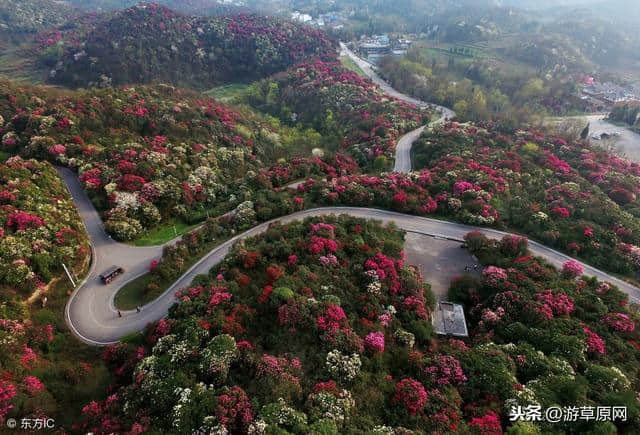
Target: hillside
<point>320,326</point>
<point>352,112</point>
<point>566,194</point>
<point>45,370</point>
<point>21,17</point>
<point>151,43</point>
<point>148,154</point>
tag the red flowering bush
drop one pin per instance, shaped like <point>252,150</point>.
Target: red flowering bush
<point>234,409</point>
<point>7,392</point>
<point>411,395</point>
<point>595,344</point>
<point>558,304</point>
<point>445,370</point>
<point>488,424</point>
<point>33,385</point>
<point>494,275</point>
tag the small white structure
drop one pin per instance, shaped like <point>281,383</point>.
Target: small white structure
<point>448,319</point>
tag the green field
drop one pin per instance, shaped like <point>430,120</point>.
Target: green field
<point>166,231</point>
<point>134,294</point>
<point>227,93</point>
<point>348,63</point>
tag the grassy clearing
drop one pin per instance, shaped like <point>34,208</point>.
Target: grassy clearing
<point>348,63</point>
<point>135,293</point>
<point>227,92</point>
<point>163,233</point>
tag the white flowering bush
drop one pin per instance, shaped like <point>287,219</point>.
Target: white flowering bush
<point>404,338</point>
<point>344,368</point>
<point>218,356</point>
<point>282,415</point>
<point>244,215</point>
<point>326,405</point>
<point>610,379</point>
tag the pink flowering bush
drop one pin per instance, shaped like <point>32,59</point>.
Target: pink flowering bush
<point>558,304</point>
<point>572,269</point>
<point>33,385</point>
<point>594,342</point>
<point>488,424</point>
<point>619,322</point>
<point>234,409</point>
<point>445,370</point>
<point>7,392</point>
<point>374,341</point>
<point>494,275</point>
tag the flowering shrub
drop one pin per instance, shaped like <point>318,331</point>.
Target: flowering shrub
<point>32,385</point>
<point>375,341</point>
<point>494,275</point>
<point>595,344</point>
<point>572,269</point>
<point>557,304</point>
<point>446,370</point>
<point>344,368</point>
<point>488,424</point>
<point>234,410</point>
<point>411,394</point>
<point>619,322</point>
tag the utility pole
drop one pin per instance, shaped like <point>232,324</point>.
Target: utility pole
<point>69,275</point>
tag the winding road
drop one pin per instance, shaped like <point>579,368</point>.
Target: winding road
<point>403,148</point>
<point>90,311</point>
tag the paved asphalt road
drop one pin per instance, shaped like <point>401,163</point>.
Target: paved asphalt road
<point>628,143</point>
<point>403,148</point>
<point>90,312</point>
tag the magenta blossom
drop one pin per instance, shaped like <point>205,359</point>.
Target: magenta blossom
<point>375,341</point>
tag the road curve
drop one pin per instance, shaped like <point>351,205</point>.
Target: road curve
<point>92,317</point>
<point>90,311</point>
<point>403,148</point>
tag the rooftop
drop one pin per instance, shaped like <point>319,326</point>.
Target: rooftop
<point>448,319</point>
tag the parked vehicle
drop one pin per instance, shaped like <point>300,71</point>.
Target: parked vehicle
<point>110,274</point>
